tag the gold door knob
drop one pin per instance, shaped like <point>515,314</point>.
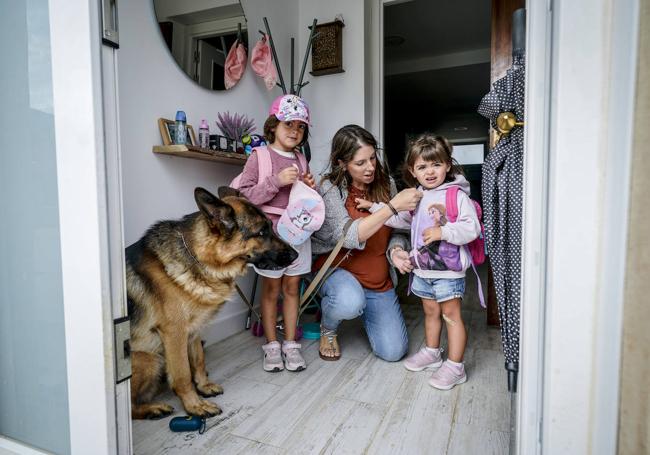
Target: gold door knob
<point>507,121</point>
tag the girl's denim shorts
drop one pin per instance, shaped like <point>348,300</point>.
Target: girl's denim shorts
<point>438,289</point>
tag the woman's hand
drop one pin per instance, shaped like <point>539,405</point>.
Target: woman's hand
<point>401,260</point>
<point>406,200</point>
<point>431,234</point>
<point>362,204</point>
<point>288,175</point>
<point>308,179</point>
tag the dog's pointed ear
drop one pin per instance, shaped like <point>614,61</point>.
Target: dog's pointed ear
<point>219,214</point>
<point>225,191</point>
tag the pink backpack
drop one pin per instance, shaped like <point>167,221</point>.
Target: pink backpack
<point>265,169</point>
<point>477,246</point>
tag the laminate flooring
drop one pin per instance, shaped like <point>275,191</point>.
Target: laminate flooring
<point>358,405</point>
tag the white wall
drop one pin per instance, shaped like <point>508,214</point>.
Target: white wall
<point>151,85</point>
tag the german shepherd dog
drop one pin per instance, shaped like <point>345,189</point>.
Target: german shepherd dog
<point>177,276</point>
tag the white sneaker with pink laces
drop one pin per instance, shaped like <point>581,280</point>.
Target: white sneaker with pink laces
<point>448,376</point>
<point>423,359</point>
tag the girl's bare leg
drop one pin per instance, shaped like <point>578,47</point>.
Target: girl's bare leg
<point>270,292</point>
<point>456,332</point>
<point>290,302</point>
<point>432,323</point>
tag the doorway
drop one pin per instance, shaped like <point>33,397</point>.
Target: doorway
<point>77,175</point>
<point>434,81</point>
<point>437,67</point>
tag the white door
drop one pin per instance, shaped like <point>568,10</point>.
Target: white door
<point>56,338</point>
<point>210,66</point>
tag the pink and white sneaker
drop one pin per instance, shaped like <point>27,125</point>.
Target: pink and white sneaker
<point>448,375</point>
<point>293,360</point>
<point>272,357</point>
<point>423,359</point>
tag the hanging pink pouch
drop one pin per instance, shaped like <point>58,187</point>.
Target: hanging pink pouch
<point>262,63</point>
<point>235,65</point>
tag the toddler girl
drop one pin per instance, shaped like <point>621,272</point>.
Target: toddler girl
<point>285,130</point>
<point>438,257</point>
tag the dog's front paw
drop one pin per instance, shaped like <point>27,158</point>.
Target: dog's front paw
<point>209,389</point>
<point>203,408</point>
<point>152,411</point>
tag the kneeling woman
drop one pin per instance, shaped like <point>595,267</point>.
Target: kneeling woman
<point>363,284</point>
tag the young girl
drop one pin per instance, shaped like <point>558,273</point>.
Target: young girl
<point>285,129</point>
<point>438,257</point>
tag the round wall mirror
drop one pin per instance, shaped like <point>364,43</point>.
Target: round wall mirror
<point>200,33</point>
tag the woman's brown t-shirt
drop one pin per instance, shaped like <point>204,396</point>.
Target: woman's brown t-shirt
<point>369,265</point>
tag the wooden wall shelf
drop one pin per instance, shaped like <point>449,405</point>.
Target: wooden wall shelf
<point>190,151</point>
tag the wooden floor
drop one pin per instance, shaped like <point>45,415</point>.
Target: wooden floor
<point>357,405</point>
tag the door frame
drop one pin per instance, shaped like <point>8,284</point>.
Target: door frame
<point>75,40</point>
<point>527,438</point>
<point>120,406</point>
<point>205,30</point>
<point>551,44</point>
<point>580,114</point>
<point>76,79</point>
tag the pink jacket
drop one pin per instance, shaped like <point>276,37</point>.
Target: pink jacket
<point>268,192</point>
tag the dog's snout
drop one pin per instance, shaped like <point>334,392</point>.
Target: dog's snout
<point>278,255</point>
<point>291,255</point>
<point>286,254</point>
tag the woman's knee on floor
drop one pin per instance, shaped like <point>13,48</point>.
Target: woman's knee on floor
<point>389,345</point>
<point>392,352</point>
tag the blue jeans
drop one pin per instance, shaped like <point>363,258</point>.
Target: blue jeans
<point>343,298</point>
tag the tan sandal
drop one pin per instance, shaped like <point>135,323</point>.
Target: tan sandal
<point>328,339</point>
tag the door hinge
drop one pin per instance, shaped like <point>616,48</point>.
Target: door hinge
<point>197,56</point>
<point>110,28</point>
<point>122,349</point>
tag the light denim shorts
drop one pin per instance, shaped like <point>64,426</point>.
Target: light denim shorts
<point>438,289</point>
